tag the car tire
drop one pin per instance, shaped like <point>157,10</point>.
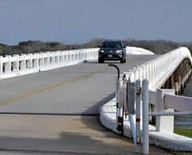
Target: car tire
<point>101,61</point>
<point>123,60</point>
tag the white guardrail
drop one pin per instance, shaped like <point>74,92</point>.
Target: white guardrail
<point>157,71</point>
<point>11,66</point>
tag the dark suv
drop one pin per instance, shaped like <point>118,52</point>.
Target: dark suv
<point>112,50</point>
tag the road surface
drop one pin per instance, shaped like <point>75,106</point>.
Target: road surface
<point>56,112</point>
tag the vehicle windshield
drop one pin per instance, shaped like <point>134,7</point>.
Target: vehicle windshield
<point>111,45</point>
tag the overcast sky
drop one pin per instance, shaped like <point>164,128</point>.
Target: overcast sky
<point>78,21</point>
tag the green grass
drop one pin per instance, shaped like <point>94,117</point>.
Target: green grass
<point>1,47</point>
<point>183,132</point>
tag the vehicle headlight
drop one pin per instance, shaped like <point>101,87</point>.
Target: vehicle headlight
<point>119,51</point>
<point>101,51</point>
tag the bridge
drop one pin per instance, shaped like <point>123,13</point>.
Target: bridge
<point>55,106</point>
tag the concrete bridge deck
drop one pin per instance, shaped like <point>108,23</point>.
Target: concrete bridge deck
<point>56,112</point>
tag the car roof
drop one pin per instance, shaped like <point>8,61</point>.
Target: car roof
<point>110,40</point>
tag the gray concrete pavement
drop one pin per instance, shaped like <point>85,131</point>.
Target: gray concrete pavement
<point>58,134</point>
<point>76,89</point>
<point>40,134</point>
<point>55,112</point>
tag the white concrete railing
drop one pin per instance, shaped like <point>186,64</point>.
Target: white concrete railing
<point>137,51</point>
<point>16,65</point>
<point>11,66</point>
<point>157,71</point>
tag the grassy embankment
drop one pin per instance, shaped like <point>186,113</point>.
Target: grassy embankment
<point>183,132</point>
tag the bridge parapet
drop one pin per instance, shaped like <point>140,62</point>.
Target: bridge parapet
<point>161,102</point>
<point>11,66</point>
<point>157,71</point>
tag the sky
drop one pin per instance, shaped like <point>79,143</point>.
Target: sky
<point>79,21</point>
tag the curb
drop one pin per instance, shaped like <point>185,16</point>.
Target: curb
<point>167,141</point>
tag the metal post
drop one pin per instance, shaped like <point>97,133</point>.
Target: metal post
<point>145,99</point>
<point>120,110</point>
<point>120,99</point>
<point>117,97</point>
<point>118,70</point>
<point>130,105</point>
<point>138,117</point>
<point>118,77</point>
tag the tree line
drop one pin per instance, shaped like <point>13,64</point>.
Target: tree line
<point>156,46</point>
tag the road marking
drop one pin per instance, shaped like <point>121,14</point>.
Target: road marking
<point>45,89</point>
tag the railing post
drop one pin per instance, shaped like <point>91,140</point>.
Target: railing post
<point>163,123</point>
<point>36,63</point>
<point>138,115</point>
<point>1,65</point>
<point>8,65</point>
<point>119,113</point>
<point>145,99</point>
<point>159,108</point>
<point>24,62</point>
<point>28,61</point>
<point>17,63</point>
<point>21,63</point>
